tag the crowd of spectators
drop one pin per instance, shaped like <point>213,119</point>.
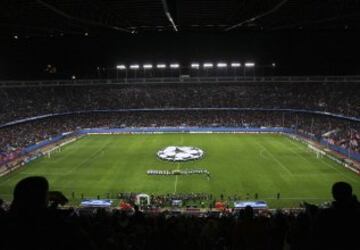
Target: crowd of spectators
<point>17,103</point>
<point>159,201</point>
<point>340,132</point>
<point>32,222</point>
<point>25,102</point>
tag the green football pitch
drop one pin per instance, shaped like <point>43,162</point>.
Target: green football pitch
<point>241,164</point>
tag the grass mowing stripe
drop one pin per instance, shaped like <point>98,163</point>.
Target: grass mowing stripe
<point>176,180</point>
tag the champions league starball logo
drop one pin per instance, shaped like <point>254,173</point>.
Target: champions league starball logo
<point>180,153</point>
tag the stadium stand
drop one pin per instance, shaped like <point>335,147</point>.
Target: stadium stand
<point>75,72</point>
<point>17,103</point>
<point>27,102</point>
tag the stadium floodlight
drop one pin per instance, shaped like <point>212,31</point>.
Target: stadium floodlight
<point>208,65</point>
<point>147,66</point>
<point>235,65</point>
<point>161,66</point>
<point>222,65</point>
<point>174,65</point>
<point>134,66</point>
<point>195,65</point>
<point>249,64</point>
<point>121,67</point>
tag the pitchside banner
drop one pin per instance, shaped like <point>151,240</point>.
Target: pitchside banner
<point>96,203</point>
<point>253,204</point>
<point>186,130</point>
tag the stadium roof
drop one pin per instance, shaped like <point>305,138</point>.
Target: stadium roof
<point>89,17</point>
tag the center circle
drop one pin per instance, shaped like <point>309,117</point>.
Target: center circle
<point>180,153</point>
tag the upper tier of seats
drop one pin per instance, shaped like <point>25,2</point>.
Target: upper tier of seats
<point>17,103</point>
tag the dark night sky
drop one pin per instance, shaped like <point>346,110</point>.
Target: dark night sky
<point>295,52</point>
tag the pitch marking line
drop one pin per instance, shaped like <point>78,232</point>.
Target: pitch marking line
<point>88,161</point>
<point>275,159</point>
<point>296,153</point>
<point>262,155</point>
<point>328,164</point>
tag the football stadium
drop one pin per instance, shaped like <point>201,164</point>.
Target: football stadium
<point>179,124</point>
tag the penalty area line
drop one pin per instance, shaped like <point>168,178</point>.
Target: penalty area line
<point>274,158</point>
<point>324,160</point>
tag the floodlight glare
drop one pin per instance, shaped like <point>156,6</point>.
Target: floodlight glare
<point>249,64</point>
<point>147,66</point>
<point>134,66</point>
<point>121,67</point>
<point>221,65</point>
<point>195,65</point>
<point>174,65</point>
<point>236,65</point>
<point>208,65</point>
<point>161,66</point>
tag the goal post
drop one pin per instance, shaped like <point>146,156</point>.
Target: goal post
<point>49,152</point>
<point>319,153</point>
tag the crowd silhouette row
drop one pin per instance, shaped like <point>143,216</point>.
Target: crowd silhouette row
<point>34,221</point>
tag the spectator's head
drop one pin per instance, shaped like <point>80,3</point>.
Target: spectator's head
<point>248,212</point>
<point>30,195</point>
<point>342,192</point>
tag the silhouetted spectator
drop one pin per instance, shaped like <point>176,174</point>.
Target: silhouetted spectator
<point>344,199</point>
<point>336,227</point>
<point>138,216</point>
<point>30,197</point>
<point>32,225</point>
<point>2,210</point>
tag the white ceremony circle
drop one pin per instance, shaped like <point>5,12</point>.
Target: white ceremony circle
<point>180,153</point>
